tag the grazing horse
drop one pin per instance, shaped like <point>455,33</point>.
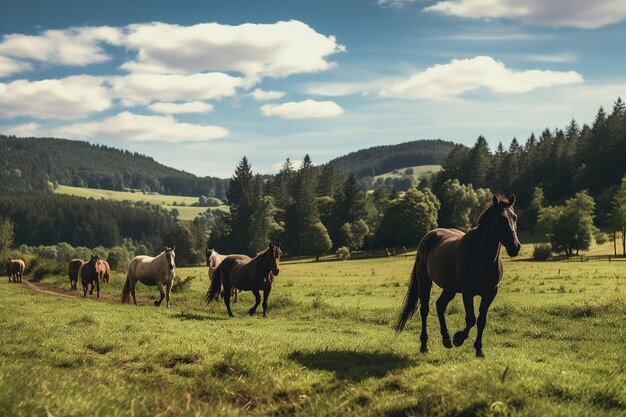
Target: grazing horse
<point>72,271</point>
<point>213,260</point>
<point>151,271</point>
<point>15,268</point>
<point>89,276</point>
<point>247,274</point>
<point>467,263</point>
<point>104,271</point>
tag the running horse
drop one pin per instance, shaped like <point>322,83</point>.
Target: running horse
<point>467,263</point>
<point>153,271</point>
<point>88,275</point>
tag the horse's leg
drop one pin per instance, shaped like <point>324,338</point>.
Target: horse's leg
<point>425,285</point>
<point>97,289</point>
<point>485,302</point>
<point>227,299</point>
<point>470,320</point>
<point>168,289</point>
<point>266,295</point>
<point>132,289</point>
<point>85,285</point>
<point>91,288</point>
<point>257,299</point>
<point>160,287</point>
<point>442,303</point>
<point>235,292</point>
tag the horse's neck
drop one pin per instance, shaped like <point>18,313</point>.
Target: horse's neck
<point>482,239</point>
<point>260,266</point>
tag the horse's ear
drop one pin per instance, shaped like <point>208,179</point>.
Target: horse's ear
<point>173,248</point>
<point>512,200</point>
<point>271,245</point>
<point>278,245</point>
<point>495,200</point>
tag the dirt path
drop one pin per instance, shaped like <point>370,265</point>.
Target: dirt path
<point>30,284</point>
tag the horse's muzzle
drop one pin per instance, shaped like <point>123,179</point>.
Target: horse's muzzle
<point>275,272</point>
<point>513,250</point>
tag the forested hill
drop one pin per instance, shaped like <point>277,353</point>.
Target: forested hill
<point>33,162</point>
<point>380,159</point>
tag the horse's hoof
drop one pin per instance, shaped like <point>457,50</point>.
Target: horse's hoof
<point>458,339</point>
<point>424,349</point>
<point>252,312</point>
<point>480,354</point>
<point>231,314</point>
<point>447,343</point>
<point>157,303</point>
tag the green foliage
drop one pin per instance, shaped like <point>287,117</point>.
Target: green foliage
<point>320,242</point>
<point>408,218</point>
<point>6,237</point>
<point>354,234</point>
<point>343,253</point>
<point>461,204</point>
<point>542,252</point>
<point>180,237</point>
<point>119,257</point>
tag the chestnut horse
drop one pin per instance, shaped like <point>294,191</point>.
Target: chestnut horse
<point>247,274</point>
<point>467,263</point>
<point>15,268</point>
<point>72,271</point>
<point>89,276</point>
<point>104,271</point>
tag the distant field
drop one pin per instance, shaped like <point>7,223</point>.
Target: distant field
<point>186,212</point>
<point>554,343</point>
<point>419,171</point>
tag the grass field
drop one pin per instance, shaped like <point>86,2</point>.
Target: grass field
<point>186,212</point>
<point>554,345</point>
<point>419,171</point>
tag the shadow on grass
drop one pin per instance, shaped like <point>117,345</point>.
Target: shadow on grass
<point>355,366</point>
<point>188,315</point>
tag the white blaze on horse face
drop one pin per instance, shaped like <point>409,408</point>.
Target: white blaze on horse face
<point>213,259</point>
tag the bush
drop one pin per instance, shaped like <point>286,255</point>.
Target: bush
<point>343,253</point>
<point>119,257</point>
<point>542,252</point>
<point>600,238</point>
<point>41,268</point>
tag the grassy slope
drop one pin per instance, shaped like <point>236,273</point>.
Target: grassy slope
<point>555,335</point>
<point>418,172</point>
<point>167,201</point>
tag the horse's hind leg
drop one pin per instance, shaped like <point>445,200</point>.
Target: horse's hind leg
<point>97,289</point>
<point>132,290</point>
<point>442,303</point>
<point>470,320</point>
<point>160,287</point>
<point>257,298</point>
<point>425,285</point>
<point>266,294</point>
<point>227,300</point>
<point>485,302</point>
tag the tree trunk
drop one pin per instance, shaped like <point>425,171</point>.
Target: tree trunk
<point>615,243</point>
<point>624,239</point>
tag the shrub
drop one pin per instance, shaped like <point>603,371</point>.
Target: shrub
<point>600,238</point>
<point>343,253</point>
<point>41,268</point>
<point>542,252</point>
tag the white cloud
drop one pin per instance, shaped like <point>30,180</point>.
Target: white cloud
<point>67,98</point>
<point>256,50</point>
<point>303,109</point>
<point>181,108</point>
<point>583,14</point>
<point>23,130</point>
<point>261,95</point>
<point>397,3</point>
<point>462,75</point>
<point>142,88</point>
<point>274,168</point>
<point>73,46</point>
<point>135,127</point>
<point>10,66</point>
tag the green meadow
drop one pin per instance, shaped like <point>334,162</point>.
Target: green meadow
<point>418,173</point>
<point>554,346</point>
<point>168,202</point>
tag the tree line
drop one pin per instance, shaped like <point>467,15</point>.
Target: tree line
<point>35,162</point>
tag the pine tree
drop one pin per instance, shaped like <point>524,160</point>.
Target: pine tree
<point>239,219</point>
<point>480,162</point>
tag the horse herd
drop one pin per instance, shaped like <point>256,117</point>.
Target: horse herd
<point>466,263</point>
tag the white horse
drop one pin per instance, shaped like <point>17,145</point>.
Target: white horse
<point>213,260</point>
<point>151,271</point>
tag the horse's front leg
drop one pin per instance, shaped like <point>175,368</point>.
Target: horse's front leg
<point>168,289</point>
<point>485,302</point>
<point>266,295</point>
<point>97,289</point>
<point>160,287</point>
<point>257,301</point>
<point>442,304</point>
<point>470,320</point>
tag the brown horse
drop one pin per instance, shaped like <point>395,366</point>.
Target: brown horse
<point>15,268</point>
<point>89,276</point>
<point>467,263</point>
<point>72,271</point>
<point>247,274</point>
<point>213,260</point>
<point>104,271</point>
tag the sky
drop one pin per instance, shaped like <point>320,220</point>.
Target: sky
<point>199,84</point>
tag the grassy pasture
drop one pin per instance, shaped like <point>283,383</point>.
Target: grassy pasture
<point>186,212</point>
<point>555,346</point>
<point>419,171</point>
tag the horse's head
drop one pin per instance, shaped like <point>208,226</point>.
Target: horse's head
<point>170,256</point>
<point>273,255</point>
<point>210,257</point>
<point>506,223</point>
<point>94,258</point>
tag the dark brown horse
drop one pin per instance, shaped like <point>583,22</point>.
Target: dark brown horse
<point>213,260</point>
<point>467,263</point>
<point>246,274</point>
<point>15,268</point>
<point>72,271</point>
<point>88,274</point>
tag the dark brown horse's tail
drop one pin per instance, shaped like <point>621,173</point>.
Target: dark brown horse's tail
<point>126,289</point>
<point>411,299</point>
<point>214,288</point>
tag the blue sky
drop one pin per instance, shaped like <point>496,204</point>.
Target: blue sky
<point>199,84</point>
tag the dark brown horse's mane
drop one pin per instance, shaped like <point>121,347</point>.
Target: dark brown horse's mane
<point>502,200</point>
